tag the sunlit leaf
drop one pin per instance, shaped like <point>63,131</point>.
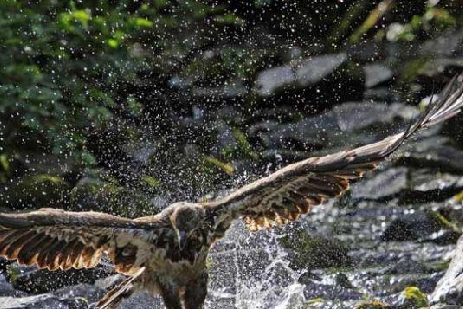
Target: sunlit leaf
<point>226,167</point>
<point>143,23</point>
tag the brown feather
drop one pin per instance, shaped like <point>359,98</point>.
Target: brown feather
<point>75,251</point>
<point>54,252</point>
<point>29,252</point>
<point>87,255</point>
<point>43,253</point>
<point>65,253</point>
<point>8,239</point>
<point>16,245</point>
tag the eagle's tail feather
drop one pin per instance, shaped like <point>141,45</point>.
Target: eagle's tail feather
<point>117,294</point>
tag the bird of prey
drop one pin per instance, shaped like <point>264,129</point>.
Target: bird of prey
<point>166,253</point>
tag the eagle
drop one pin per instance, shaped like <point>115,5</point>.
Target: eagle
<point>166,253</point>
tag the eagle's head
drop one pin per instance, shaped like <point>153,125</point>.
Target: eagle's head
<point>186,218</point>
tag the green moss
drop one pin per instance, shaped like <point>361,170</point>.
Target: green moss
<point>441,265</point>
<point>209,262</point>
<point>150,181</point>
<point>315,301</point>
<point>410,71</point>
<point>414,297</point>
<point>13,273</point>
<point>5,168</point>
<point>441,221</point>
<point>374,304</point>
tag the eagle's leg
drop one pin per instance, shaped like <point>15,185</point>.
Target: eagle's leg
<point>170,295</point>
<point>195,292</point>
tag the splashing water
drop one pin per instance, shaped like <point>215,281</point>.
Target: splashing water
<point>251,270</point>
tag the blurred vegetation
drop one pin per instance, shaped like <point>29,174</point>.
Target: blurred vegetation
<point>80,81</point>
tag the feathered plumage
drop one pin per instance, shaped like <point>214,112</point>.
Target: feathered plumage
<point>166,253</point>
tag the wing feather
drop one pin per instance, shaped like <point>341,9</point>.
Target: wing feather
<point>57,239</point>
<point>286,194</point>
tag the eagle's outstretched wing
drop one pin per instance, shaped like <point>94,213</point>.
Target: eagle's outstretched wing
<point>54,238</point>
<point>286,194</point>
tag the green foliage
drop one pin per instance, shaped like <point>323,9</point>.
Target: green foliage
<point>36,191</point>
<point>63,62</point>
<point>434,20</point>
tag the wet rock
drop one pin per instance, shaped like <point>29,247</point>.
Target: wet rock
<point>433,152</point>
<point>447,44</point>
<point>140,152</point>
<point>376,74</point>
<point>330,128</point>
<point>109,282</point>
<point>428,179</point>
<point>375,304</point>
<point>413,226</point>
<point>314,289</point>
<point>76,297</point>
<point>6,289</point>
<point>142,300</point>
<point>229,114</point>
<point>407,267</point>
<point>380,94</point>
<point>313,70</point>
<point>436,67</point>
<point>33,280</point>
<point>302,74</point>
<point>309,252</point>
<point>273,79</point>
<point>449,289</point>
<point>230,89</point>
<point>32,302</point>
<point>386,183</point>
<point>80,295</point>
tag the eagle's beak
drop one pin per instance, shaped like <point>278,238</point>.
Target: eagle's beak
<point>182,236</point>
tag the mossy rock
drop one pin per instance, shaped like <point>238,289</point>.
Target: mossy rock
<point>93,194</point>
<point>35,191</point>
<point>418,225</point>
<point>412,297</point>
<point>312,252</point>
